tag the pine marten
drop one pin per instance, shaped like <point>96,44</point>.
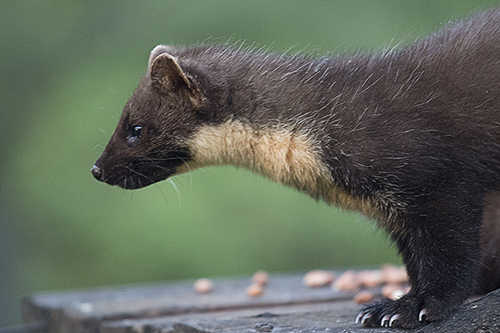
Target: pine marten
<point>410,137</point>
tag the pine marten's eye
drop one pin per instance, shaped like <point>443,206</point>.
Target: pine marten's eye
<point>137,131</point>
<point>134,136</point>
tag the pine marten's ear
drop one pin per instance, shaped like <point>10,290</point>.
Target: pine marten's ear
<point>168,77</point>
<point>159,49</point>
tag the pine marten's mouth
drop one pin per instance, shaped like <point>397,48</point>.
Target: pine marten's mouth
<point>139,172</point>
<point>132,179</point>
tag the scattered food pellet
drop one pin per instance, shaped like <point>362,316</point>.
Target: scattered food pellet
<point>203,286</point>
<point>255,290</point>
<point>370,278</point>
<point>396,294</point>
<point>392,291</point>
<point>260,277</point>
<point>363,297</point>
<point>393,274</point>
<point>347,281</point>
<point>318,278</point>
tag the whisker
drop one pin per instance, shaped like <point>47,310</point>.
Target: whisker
<point>131,196</point>
<point>98,145</point>
<point>139,174</point>
<point>113,92</point>
<point>103,132</point>
<point>176,191</point>
<point>162,193</point>
<point>190,173</point>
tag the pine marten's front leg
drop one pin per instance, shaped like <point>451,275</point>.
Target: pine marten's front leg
<point>440,247</point>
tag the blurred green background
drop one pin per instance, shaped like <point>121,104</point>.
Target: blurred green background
<point>67,69</point>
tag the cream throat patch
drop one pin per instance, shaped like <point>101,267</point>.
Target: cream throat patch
<point>286,157</point>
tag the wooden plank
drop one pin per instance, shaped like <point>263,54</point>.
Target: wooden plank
<point>286,306</point>
<point>83,311</point>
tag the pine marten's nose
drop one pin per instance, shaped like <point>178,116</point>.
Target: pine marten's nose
<point>96,171</point>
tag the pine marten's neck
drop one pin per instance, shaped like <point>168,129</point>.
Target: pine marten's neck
<point>277,153</point>
<point>284,156</point>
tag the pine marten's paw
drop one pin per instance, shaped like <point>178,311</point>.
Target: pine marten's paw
<point>407,312</point>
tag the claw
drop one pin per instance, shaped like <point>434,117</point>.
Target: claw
<point>365,318</point>
<point>422,315</point>
<point>362,317</point>
<point>393,319</point>
<point>385,321</point>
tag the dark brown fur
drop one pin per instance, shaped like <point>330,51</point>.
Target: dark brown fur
<point>410,137</point>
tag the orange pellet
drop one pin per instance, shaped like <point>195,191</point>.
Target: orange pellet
<point>318,278</point>
<point>347,281</point>
<point>260,277</point>
<point>255,290</point>
<point>203,286</point>
<point>393,274</point>
<point>363,297</point>
<point>392,291</point>
<point>370,278</point>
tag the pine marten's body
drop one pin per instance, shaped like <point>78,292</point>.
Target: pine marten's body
<point>409,137</point>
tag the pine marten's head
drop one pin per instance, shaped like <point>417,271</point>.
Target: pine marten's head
<point>148,144</point>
